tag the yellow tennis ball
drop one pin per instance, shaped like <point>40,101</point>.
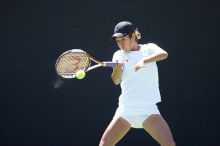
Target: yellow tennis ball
<point>80,74</point>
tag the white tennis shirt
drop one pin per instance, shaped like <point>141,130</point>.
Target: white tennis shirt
<point>139,90</point>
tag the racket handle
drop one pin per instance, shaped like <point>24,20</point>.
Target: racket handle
<point>111,64</point>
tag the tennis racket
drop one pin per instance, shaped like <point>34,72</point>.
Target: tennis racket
<point>73,60</point>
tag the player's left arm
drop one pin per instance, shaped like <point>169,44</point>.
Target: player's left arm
<point>157,54</point>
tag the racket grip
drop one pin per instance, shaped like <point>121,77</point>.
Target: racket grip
<point>111,64</point>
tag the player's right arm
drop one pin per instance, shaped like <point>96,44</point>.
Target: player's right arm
<point>116,74</point>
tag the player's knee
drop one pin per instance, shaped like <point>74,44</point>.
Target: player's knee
<point>170,143</point>
<point>105,143</point>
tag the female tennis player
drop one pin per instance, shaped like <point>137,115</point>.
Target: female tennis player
<point>137,74</point>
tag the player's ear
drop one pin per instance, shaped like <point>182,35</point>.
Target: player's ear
<point>133,35</point>
<point>137,34</point>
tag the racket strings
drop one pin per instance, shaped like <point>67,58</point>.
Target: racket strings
<point>71,62</point>
<point>84,62</point>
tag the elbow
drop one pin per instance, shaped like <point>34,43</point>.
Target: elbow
<point>164,55</point>
<point>116,81</point>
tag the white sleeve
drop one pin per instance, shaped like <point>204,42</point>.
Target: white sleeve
<point>153,48</point>
<point>150,48</point>
<point>117,57</point>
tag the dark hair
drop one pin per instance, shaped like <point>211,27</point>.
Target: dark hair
<point>130,35</point>
<point>137,33</point>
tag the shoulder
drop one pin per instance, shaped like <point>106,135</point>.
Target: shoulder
<point>149,48</point>
<point>117,55</point>
<point>149,45</point>
<point>118,52</point>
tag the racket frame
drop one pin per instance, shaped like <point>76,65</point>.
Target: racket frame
<point>89,67</point>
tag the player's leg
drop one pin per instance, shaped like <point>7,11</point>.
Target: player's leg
<point>158,128</point>
<point>114,132</point>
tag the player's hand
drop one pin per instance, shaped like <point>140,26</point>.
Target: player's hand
<point>120,66</point>
<point>139,65</point>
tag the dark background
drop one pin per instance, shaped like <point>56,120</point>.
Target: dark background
<point>34,33</point>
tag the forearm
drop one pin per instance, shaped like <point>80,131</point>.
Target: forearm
<point>152,58</point>
<point>155,57</point>
<point>116,74</point>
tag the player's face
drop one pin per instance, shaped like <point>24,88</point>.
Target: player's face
<point>126,43</point>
